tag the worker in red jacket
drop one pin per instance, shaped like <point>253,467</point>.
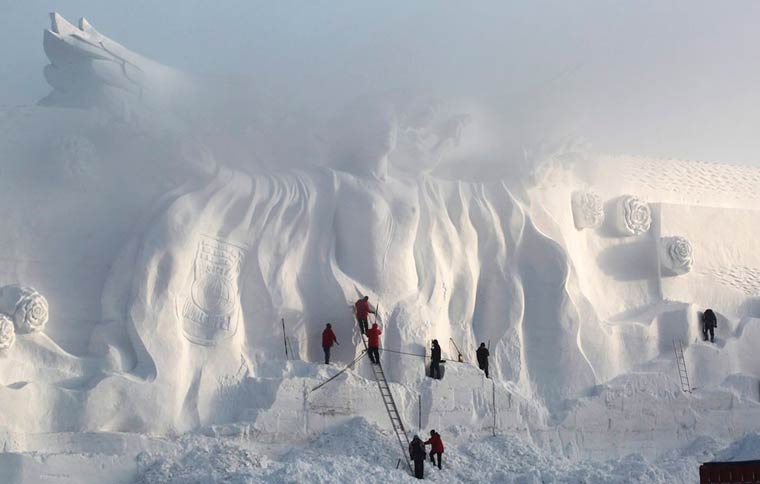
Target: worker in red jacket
<point>373,343</point>
<point>363,310</point>
<point>436,446</point>
<point>328,338</point>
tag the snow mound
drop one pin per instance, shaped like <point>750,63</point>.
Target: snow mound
<point>199,460</point>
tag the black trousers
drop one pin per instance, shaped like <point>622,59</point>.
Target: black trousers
<point>484,367</point>
<point>327,354</point>
<point>712,333</point>
<point>435,370</point>
<point>419,468</point>
<point>432,455</point>
<point>363,325</point>
<point>374,354</point>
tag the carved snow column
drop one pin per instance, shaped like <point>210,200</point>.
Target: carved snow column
<point>28,308</point>
<point>588,209</point>
<point>676,255</point>
<point>632,216</point>
<point>7,332</point>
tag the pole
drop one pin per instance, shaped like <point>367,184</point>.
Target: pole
<point>493,386</point>
<point>284,338</point>
<point>419,412</point>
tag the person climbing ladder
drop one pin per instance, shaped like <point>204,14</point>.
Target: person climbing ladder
<point>373,344</point>
<point>363,310</point>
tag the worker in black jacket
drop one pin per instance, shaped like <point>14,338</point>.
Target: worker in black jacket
<point>417,454</point>
<point>483,355</point>
<point>435,360</point>
<point>709,323</point>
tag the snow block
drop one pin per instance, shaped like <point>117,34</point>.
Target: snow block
<point>676,255</point>
<point>28,308</point>
<point>632,216</point>
<point>588,209</point>
<point>7,332</point>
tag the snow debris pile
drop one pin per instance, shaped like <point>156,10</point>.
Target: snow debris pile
<point>199,460</point>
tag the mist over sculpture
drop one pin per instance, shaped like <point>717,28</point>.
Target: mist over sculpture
<point>191,305</point>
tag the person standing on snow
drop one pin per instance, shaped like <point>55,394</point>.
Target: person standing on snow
<point>417,454</point>
<point>436,447</point>
<point>328,338</point>
<point>709,323</point>
<point>435,361</point>
<point>373,343</point>
<point>483,355</point>
<point>363,310</point>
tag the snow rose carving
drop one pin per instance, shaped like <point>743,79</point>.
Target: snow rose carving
<point>7,332</point>
<point>588,210</point>
<point>676,254</point>
<point>31,313</point>
<point>634,216</point>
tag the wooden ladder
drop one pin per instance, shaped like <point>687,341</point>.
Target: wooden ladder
<point>390,406</point>
<point>683,374</point>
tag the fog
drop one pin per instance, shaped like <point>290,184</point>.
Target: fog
<point>668,79</point>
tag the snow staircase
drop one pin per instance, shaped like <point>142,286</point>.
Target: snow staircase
<point>683,375</point>
<point>390,407</point>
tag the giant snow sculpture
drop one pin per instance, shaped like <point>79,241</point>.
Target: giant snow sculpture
<point>191,306</point>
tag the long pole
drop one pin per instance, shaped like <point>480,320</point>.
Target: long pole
<point>284,338</point>
<point>493,386</point>
<point>419,412</point>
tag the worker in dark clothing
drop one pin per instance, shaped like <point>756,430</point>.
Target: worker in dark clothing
<point>436,446</point>
<point>417,454</point>
<point>363,310</point>
<point>328,338</point>
<point>373,344</point>
<point>483,355</point>
<point>435,361</point>
<point>709,323</point>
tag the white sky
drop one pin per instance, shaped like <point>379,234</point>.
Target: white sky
<point>663,78</point>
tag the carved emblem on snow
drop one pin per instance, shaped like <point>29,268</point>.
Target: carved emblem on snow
<point>210,311</point>
<point>74,158</point>
<point>588,209</point>
<point>7,332</point>
<point>676,254</point>
<point>633,217</point>
<point>29,308</point>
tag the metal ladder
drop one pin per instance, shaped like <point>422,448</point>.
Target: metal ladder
<point>390,407</point>
<point>683,375</point>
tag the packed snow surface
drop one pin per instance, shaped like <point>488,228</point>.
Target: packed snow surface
<point>150,287</point>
